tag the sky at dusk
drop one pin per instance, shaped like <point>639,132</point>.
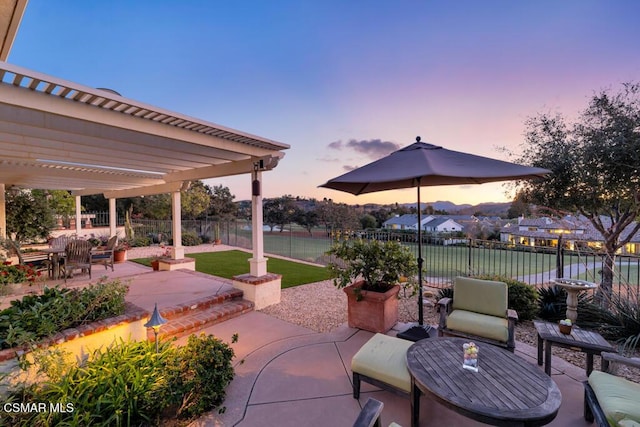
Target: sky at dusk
<point>344,82</point>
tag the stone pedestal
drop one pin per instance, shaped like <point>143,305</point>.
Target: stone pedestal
<point>263,291</point>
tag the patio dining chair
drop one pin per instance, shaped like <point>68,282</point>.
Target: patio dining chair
<point>36,259</point>
<point>77,257</point>
<point>104,254</point>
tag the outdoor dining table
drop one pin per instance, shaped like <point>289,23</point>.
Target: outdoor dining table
<point>506,390</point>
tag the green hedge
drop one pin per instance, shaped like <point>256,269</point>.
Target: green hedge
<point>38,316</point>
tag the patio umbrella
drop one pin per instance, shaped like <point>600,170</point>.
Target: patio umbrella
<point>421,164</point>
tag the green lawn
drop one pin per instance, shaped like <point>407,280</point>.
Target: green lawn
<point>232,263</point>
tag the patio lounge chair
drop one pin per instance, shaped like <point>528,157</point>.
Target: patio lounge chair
<point>612,400</point>
<point>479,311</point>
<point>104,255</point>
<point>77,257</point>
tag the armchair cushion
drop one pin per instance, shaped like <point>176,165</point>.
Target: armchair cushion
<point>480,296</point>
<point>618,398</point>
<point>487,326</point>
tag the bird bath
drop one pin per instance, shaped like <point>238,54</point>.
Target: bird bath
<point>573,287</point>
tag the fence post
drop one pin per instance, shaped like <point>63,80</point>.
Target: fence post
<point>469,263</point>
<point>560,259</point>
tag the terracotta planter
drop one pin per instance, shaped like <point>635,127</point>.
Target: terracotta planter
<point>155,265</point>
<point>119,256</point>
<point>375,312</point>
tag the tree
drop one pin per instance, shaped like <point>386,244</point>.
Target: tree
<point>195,201</point>
<point>595,166</point>
<point>222,205</point>
<point>519,207</point>
<point>307,219</point>
<point>29,215</point>
<point>368,221</point>
<point>279,211</point>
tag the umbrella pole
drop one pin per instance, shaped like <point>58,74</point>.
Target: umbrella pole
<point>420,262</point>
<point>418,332</point>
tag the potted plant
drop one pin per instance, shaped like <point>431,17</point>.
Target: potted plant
<point>120,252</point>
<point>370,273</point>
<point>155,262</point>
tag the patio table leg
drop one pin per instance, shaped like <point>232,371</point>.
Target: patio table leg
<point>415,403</point>
<point>547,357</point>
<point>540,344</point>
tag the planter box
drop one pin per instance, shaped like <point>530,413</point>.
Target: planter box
<point>375,312</point>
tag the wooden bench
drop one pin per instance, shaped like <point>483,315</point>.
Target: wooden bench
<point>382,362</point>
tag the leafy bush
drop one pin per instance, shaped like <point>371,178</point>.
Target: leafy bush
<point>616,318</point>
<point>140,242</point>
<point>131,384</point>
<point>18,274</point>
<point>199,375</point>
<point>552,305</point>
<point>37,316</point>
<point>380,264</point>
<point>190,238</point>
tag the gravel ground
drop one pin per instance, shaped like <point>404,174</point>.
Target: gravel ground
<point>321,307</point>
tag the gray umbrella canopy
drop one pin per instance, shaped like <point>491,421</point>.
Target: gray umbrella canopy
<point>421,164</point>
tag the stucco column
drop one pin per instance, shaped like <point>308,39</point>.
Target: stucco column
<point>3,213</point>
<point>176,223</point>
<point>257,264</point>
<point>78,218</point>
<point>113,219</point>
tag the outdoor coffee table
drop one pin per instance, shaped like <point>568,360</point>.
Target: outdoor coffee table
<point>588,342</point>
<point>506,390</point>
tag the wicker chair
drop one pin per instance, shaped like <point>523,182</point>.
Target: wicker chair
<point>77,257</point>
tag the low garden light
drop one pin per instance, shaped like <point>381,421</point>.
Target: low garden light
<point>155,322</point>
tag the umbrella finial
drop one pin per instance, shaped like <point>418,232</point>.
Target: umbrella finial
<point>418,139</point>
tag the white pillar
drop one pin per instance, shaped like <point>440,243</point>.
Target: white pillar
<point>3,213</point>
<point>113,219</point>
<point>257,264</point>
<point>78,218</point>
<point>176,224</point>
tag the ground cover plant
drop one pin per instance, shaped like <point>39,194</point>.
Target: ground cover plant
<point>129,384</point>
<point>38,316</point>
<point>232,263</point>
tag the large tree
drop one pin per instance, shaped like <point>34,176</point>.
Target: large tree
<point>596,167</point>
<point>29,215</point>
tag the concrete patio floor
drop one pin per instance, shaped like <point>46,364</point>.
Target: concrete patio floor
<point>287,375</point>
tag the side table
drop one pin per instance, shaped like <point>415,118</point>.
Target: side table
<point>588,342</point>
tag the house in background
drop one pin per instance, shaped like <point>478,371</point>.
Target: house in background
<point>576,232</point>
<point>430,223</point>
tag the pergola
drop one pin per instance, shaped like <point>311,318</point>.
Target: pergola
<point>56,134</point>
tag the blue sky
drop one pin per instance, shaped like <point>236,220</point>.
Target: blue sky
<point>344,82</point>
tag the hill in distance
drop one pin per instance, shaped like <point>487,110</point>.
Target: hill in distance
<point>487,208</point>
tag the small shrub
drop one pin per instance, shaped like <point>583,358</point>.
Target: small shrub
<point>617,319</point>
<point>140,242</point>
<point>190,238</point>
<point>130,384</point>
<point>552,306</point>
<point>18,274</point>
<point>199,375</point>
<point>37,316</point>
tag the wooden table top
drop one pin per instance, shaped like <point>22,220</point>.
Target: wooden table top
<point>580,338</point>
<point>507,390</point>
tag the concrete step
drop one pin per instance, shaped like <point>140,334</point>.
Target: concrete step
<point>190,317</point>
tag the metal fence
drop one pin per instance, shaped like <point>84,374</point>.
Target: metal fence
<point>444,257</point>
